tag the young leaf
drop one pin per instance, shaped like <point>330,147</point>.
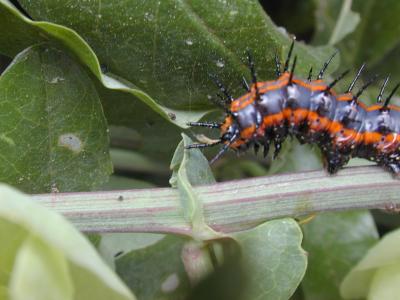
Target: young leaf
<point>191,168</point>
<point>41,272</point>
<point>377,274</point>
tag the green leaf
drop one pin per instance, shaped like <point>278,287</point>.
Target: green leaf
<point>94,238</point>
<point>377,274</point>
<point>14,235</point>
<point>376,35</point>
<point>233,168</point>
<point>150,127</point>
<point>40,272</point>
<point>53,134</point>
<point>191,168</point>
<point>54,246</point>
<point>374,40</point>
<point>125,183</point>
<point>346,23</point>
<point>297,17</point>
<point>114,245</point>
<point>385,284</point>
<point>156,271</point>
<point>272,259</point>
<point>3,292</point>
<point>173,36</point>
<point>335,20</point>
<point>295,158</point>
<point>181,42</point>
<point>23,32</point>
<point>335,242</point>
<point>135,162</point>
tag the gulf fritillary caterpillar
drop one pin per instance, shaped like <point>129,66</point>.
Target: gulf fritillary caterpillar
<point>341,125</point>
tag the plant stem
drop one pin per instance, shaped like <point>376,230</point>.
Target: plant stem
<point>229,206</point>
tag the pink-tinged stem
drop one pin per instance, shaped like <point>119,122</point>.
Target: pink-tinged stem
<point>229,206</point>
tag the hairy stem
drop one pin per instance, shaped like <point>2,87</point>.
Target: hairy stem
<point>229,206</point>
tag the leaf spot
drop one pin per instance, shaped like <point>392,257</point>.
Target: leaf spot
<point>70,141</point>
<point>148,17</point>
<point>56,79</point>
<point>220,63</point>
<point>170,283</point>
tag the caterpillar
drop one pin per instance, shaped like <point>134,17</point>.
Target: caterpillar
<point>310,110</point>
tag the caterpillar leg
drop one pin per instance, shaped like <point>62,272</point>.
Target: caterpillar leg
<point>391,163</point>
<point>266,148</point>
<point>394,168</point>
<point>278,147</point>
<point>334,161</point>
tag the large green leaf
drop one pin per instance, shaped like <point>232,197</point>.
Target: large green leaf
<point>335,242</point>
<point>180,42</point>
<point>171,63</point>
<point>53,134</point>
<point>273,260</point>
<point>22,32</point>
<point>47,258</point>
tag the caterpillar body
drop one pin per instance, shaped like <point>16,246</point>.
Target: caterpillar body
<point>340,124</point>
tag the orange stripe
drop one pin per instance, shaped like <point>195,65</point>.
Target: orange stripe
<point>374,107</point>
<point>363,105</point>
<point>314,86</point>
<point>225,125</point>
<point>273,87</point>
<point>345,97</point>
<point>372,137</point>
<point>295,116</point>
<point>271,120</point>
<point>379,106</point>
<point>248,132</point>
<point>317,122</point>
<point>242,102</point>
<point>335,127</point>
<point>237,143</point>
<point>394,107</point>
